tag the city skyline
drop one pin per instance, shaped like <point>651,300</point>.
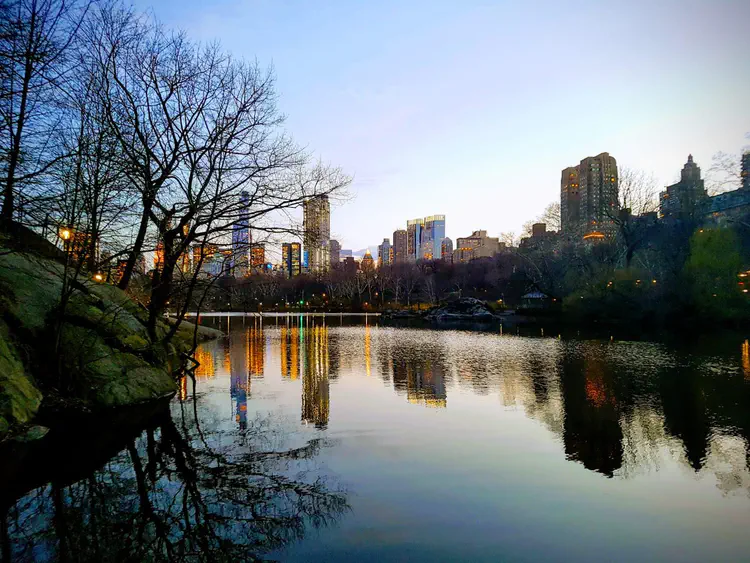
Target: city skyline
<point>421,140</point>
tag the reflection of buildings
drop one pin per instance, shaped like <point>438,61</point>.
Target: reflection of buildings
<point>256,349</point>
<point>422,381</point>
<point>315,385</point>
<point>591,430</point>
<point>205,359</point>
<point>239,380</point>
<point>290,352</point>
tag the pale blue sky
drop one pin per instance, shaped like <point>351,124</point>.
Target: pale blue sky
<point>472,108</point>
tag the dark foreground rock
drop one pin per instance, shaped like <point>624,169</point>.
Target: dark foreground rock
<point>105,357</point>
<point>462,310</point>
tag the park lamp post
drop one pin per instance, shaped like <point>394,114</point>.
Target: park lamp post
<point>66,234</point>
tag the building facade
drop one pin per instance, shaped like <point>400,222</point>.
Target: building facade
<point>433,234</point>
<point>258,257</point>
<point>399,246</point>
<point>589,196</point>
<point>367,263</point>
<point>414,239</point>
<point>687,197</point>
<point>317,233</point>
<point>241,238</point>
<point>334,248</point>
<point>570,200</point>
<point>384,253</point>
<point>478,245</point>
<point>446,250</point>
<point>291,258</point>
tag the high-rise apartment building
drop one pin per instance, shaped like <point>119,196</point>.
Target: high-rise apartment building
<point>478,245</point>
<point>570,199</point>
<point>399,246</point>
<point>745,170</point>
<point>241,238</point>
<point>424,238</point>
<point>589,196</point>
<point>291,258</point>
<point>414,239</point>
<point>257,257</point>
<point>446,250</point>
<point>686,197</point>
<point>334,248</point>
<point>433,234</point>
<point>384,253</point>
<point>317,233</point>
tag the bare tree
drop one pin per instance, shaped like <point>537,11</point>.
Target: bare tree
<point>36,37</point>
<point>637,199</point>
<point>725,173</point>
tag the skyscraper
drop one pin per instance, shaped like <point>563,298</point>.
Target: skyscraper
<point>414,239</point>
<point>570,200</point>
<point>334,247</point>
<point>589,195</point>
<point>399,246</point>
<point>433,234</point>
<point>317,233</point>
<point>241,238</point>
<point>291,258</point>
<point>684,198</point>
<point>384,253</point>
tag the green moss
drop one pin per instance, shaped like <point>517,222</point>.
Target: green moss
<point>19,398</point>
<point>109,377</point>
<point>36,285</point>
<point>135,343</point>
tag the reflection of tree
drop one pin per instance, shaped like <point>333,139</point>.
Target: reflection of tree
<point>315,385</point>
<point>170,497</point>
<point>683,400</point>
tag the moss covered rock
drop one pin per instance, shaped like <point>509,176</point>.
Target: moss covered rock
<point>19,398</point>
<point>110,377</point>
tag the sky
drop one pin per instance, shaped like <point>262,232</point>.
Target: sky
<point>472,108</point>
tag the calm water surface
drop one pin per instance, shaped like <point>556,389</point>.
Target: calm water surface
<point>304,440</point>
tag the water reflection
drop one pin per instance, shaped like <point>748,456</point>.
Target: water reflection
<point>315,386</point>
<point>614,406</point>
<point>178,491</point>
<point>213,481</point>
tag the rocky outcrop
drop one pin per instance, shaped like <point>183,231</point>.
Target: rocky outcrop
<point>462,310</point>
<point>104,355</point>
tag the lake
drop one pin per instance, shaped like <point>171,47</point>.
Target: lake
<point>333,439</point>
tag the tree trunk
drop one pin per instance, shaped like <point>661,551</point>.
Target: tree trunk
<point>137,246</point>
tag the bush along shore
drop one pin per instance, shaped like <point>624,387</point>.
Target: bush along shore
<point>89,350</point>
